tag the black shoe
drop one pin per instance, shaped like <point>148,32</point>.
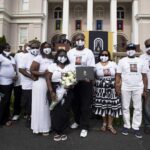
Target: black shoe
<point>137,134</point>
<point>125,131</point>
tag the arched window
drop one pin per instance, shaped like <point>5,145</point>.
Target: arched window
<point>58,13</point>
<point>99,12</point>
<point>78,11</point>
<point>120,13</point>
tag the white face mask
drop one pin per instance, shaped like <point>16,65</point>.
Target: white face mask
<point>131,53</point>
<point>104,58</point>
<point>47,51</point>
<point>62,59</point>
<point>34,52</point>
<point>6,53</point>
<point>80,43</point>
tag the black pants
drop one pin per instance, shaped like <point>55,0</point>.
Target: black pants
<point>60,115</point>
<point>17,100</point>
<point>81,104</point>
<point>146,110</point>
<point>26,102</point>
<point>5,103</point>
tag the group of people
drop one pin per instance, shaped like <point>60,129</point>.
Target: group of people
<point>35,75</point>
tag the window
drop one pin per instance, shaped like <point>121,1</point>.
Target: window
<point>23,35</point>
<point>58,25</point>
<point>99,12</point>
<point>120,13</point>
<point>120,25</point>
<point>78,25</point>
<point>25,5</point>
<point>78,11</point>
<point>99,24</point>
<point>58,13</point>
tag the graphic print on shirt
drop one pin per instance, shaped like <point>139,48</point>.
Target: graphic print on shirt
<point>78,60</point>
<point>133,67</point>
<point>107,72</point>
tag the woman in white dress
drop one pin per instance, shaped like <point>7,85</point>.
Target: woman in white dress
<point>40,118</point>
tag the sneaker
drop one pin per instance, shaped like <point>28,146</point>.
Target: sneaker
<point>15,117</point>
<point>63,137</point>
<point>57,137</point>
<point>74,126</point>
<point>83,133</point>
<point>137,134</point>
<point>125,131</point>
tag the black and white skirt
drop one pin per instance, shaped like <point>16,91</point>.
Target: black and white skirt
<point>105,100</point>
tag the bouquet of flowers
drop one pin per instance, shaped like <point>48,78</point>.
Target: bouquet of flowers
<point>68,80</point>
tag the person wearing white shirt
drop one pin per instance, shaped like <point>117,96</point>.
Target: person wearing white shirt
<point>27,79</point>
<point>146,107</point>
<point>19,56</point>
<point>60,115</point>
<point>131,83</point>
<point>7,76</point>
<point>41,121</point>
<point>81,56</point>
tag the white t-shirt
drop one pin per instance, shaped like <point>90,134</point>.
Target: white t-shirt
<point>44,63</point>
<point>131,70</point>
<point>83,57</point>
<point>145,57</point>
<point>57,72</point>
<point>18,58</point>
<point>25,64</point>
<point>108,70</point>
<point>7,70</point>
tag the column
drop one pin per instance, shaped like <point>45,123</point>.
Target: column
<point>65,23</point>
<point>113,21</point>
<point>135,28</point>
<point>45,21</point>
<point>89,15</point>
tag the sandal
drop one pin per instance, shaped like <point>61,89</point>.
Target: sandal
<point>112,130</point>
<point>57,137</point>
<point>103,128</point>
<point>63,137</point>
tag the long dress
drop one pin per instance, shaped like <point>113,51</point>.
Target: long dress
<point>40,119</point>
<point>105,101</point>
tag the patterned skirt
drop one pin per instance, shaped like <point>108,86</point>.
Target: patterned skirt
<point>105,100</point>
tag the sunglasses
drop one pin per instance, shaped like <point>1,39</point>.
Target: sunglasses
<point>79,39</point>
<point>147,46</point>
<point>34,47</point>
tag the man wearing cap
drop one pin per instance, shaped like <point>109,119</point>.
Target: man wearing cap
<point>80,57</point>
<point>146,107</point>
<point>131,83</point>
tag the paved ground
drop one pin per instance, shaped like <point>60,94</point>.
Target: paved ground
<point>18,137</point>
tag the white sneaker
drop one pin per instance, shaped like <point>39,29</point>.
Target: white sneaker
<point>15,117</point>
<point>83,133</point>
<point>74,126</point>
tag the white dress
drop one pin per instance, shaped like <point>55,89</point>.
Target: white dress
<point>40,119</point>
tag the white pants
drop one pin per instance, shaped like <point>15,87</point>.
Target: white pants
<point>136,97</point>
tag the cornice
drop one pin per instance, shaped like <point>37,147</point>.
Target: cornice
<point>142,16</point>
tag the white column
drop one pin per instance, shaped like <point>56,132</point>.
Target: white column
<point>113,21</point>
<point>65,23</point>
<point>135,28</point>
<point>89,15</point>
<point>45,21</point>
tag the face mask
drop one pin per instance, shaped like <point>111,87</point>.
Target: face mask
<point>6,53</point>
<point>62,59</point>
<point>104,58</point>
<point>80,43</point>
<point>131,53</point>
<point>34,52</point>
<point>47,51</point>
